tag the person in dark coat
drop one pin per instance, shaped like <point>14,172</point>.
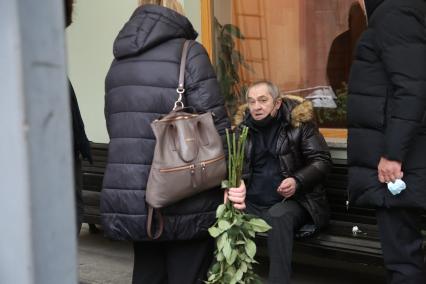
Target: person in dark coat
<point>287,160</point>
<point>81,145</point>
<point>140,87</point>
<point>387,130</point>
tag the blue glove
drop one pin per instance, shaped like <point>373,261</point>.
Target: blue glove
<point>396,187</point>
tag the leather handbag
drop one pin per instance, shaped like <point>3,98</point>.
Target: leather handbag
<point>188,156</point>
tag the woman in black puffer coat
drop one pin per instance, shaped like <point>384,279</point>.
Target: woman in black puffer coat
<point>140,87</point>
<point>387,130</point>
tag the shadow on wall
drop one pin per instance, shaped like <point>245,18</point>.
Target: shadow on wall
<point>339,63</point>
<point>342,48</point>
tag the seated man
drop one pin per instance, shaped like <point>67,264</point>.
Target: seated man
<point>286,162</point>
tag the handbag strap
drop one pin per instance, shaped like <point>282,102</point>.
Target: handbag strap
<point>160,226</point>
<point>181,87</point>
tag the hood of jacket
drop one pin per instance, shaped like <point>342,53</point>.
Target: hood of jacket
<point>149,26</point>
<point>296,111</point>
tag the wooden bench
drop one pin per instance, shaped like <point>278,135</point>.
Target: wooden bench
<point>92,184</point>
<point>336,241</point>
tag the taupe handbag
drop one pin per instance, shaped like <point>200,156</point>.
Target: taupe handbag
<point>188,156</point>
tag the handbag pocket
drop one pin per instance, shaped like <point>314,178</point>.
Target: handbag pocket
<point>187,181</point>
<point>203,175</point>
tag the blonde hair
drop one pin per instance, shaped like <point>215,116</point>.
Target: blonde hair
<point>171,4</point>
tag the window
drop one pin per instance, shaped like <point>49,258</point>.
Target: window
<point>304,46</point>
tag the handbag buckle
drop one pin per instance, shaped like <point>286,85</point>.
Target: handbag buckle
<point>179,104</point>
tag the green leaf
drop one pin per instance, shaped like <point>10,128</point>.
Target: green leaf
<point>227,215</point>
<point>250,248</point>
<point>227,42</point>
<point>238,275</point>
<point>233,30</point>
<point>214,232</point>
<point>225,184</point>
<point>211,277</point>
<point>232,257</point>
<point>252,234</point>
<point>224,225</point>
<point>259,225</point>
<point>246,258</point>
<point>223,239</point>
<point>233,233</point>
<point>215,268</point>
<point>227,278</point>
<point>220,211</point>
<point>227,250</point>
<point>219,257</point>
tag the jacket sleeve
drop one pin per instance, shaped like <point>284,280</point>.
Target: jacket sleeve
<point>316,157</point>
<point>402,44</point>
<point>202,88</point>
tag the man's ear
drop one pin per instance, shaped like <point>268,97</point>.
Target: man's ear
<point>277,106</point>
<point>278,103</point>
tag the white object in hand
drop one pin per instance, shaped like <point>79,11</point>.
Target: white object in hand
<point>396,187</point>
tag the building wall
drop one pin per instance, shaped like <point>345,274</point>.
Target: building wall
<point>193,12</point>
<point>89,44</point>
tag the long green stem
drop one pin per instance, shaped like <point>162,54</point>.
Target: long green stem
<point>234,161</point>
<point>229,155</point>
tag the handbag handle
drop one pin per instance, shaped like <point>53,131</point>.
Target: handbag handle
<point>177,146</point>
<point>181,87</point>
<point>149,222</point>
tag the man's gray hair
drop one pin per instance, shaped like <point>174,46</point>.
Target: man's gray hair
<point>273,89</point>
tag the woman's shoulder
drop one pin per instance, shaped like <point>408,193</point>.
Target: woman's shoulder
<point>196,49</point>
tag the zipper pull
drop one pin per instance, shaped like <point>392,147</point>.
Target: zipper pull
<point>192,172</point>
<point>347,205</point>
<point>203,172</point>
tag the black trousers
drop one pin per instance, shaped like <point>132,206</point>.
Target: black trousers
<point>78,180</point>
<point>402,245</point>
<point>174,262</point>
<point>285,218</point>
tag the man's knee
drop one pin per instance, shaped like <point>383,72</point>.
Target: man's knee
<point>280,210</point>
<point>280,221</point>
<point>288,215</point>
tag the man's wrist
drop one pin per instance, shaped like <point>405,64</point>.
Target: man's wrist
<point>298,183</point>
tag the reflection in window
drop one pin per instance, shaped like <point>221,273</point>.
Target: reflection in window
<point>304,46</point>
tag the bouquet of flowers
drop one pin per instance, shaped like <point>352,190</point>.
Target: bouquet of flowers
<point>234,230</point>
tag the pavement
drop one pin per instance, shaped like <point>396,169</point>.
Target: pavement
<point>102,261</point>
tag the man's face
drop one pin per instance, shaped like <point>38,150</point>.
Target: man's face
<point>261,103</point>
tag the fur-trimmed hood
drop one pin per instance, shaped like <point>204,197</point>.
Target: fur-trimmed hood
<point>297,110</point>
